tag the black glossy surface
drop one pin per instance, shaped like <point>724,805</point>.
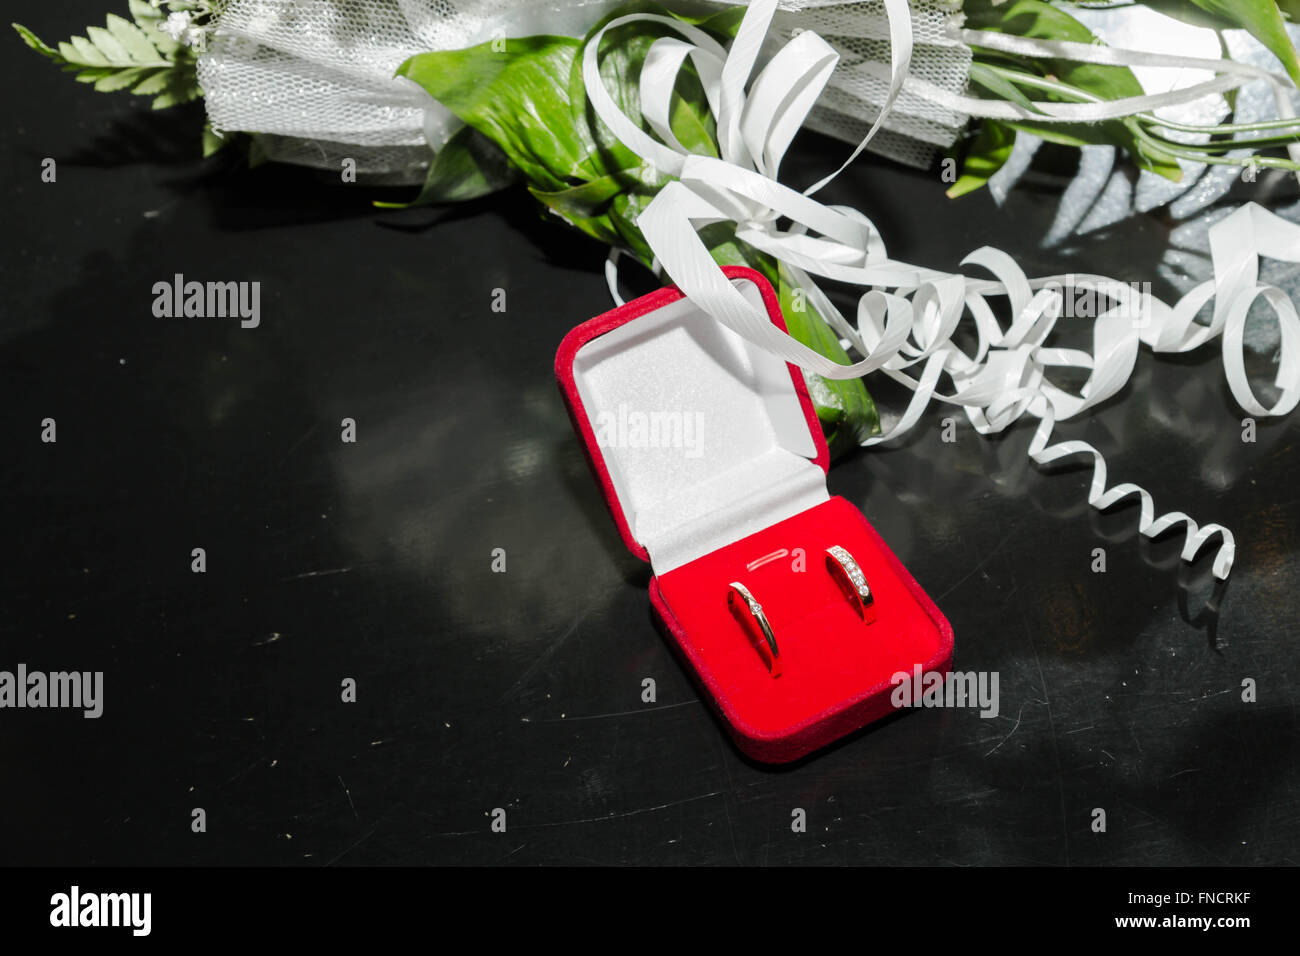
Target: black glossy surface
<point>522,690</point>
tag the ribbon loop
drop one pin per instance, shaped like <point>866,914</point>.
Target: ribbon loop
<point>915,323</point>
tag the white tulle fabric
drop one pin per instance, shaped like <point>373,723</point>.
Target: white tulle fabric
<point>314,78</point>
<point>908,332</point>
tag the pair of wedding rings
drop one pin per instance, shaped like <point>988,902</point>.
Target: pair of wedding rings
<point>845,570</point>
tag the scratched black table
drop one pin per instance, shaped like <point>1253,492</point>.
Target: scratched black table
<point>371,561</point>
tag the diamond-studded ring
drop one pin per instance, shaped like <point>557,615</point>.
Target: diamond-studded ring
<point>738,596</point>
<point>849,574</point>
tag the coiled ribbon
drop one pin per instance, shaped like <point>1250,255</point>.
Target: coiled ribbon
<point>906,320</point>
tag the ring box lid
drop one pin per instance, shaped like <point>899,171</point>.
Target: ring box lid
<point>697,436</point>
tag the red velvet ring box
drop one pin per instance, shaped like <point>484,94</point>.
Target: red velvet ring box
<point>714,466</point>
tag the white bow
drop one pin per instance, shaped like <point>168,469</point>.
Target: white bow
<point>913,325</point>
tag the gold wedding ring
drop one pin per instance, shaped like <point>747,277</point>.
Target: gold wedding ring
<point>854,581</point>
<point>738,595</point>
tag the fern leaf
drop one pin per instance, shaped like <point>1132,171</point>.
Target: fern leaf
<point>175,95</point>
<point>120,80</point>
<point>153,84</point>
<point>83,51</point>
<point>35,42</point>
<point>113,51</point>
<point>132,55</point>
<point>132,39</point>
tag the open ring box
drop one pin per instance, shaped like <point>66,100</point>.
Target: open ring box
<point>713,466</point>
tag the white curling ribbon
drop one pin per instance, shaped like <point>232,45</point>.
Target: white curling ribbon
<point>907,333</point>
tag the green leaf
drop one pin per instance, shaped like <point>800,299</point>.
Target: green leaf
<point>1039,20</point>
<point>118,80</point>
<point>87,51</point>
<point>625,210</point>
<point>577,207</point>
<point>692,122</point>
<point>132,39</point>
<point>725,23</point>
<point>844,407</point>
<point>587,199</point>
<point>988,153</point>
<point>35,42</point>
<point>149,18</point>
<point>176,94</point>
<point>1261,18</point>
<point>609,162</point>
<point>515,95</point>
<point>622,54</point>
<point>720,239</point>
<point>144,12</point>
<point>528,97</point>
<point>92,74</point>
<point>156,82</point>
<point>1229,96</point>
<point>1189,12</point>
<point>1000,86</point>
<point>467,166</point>
<point>126,56</point>
<point>212,143</point>
<point>108,45</point>
<point>1118,133</point>
<point>1148,153</point>
<point>257,155</point>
